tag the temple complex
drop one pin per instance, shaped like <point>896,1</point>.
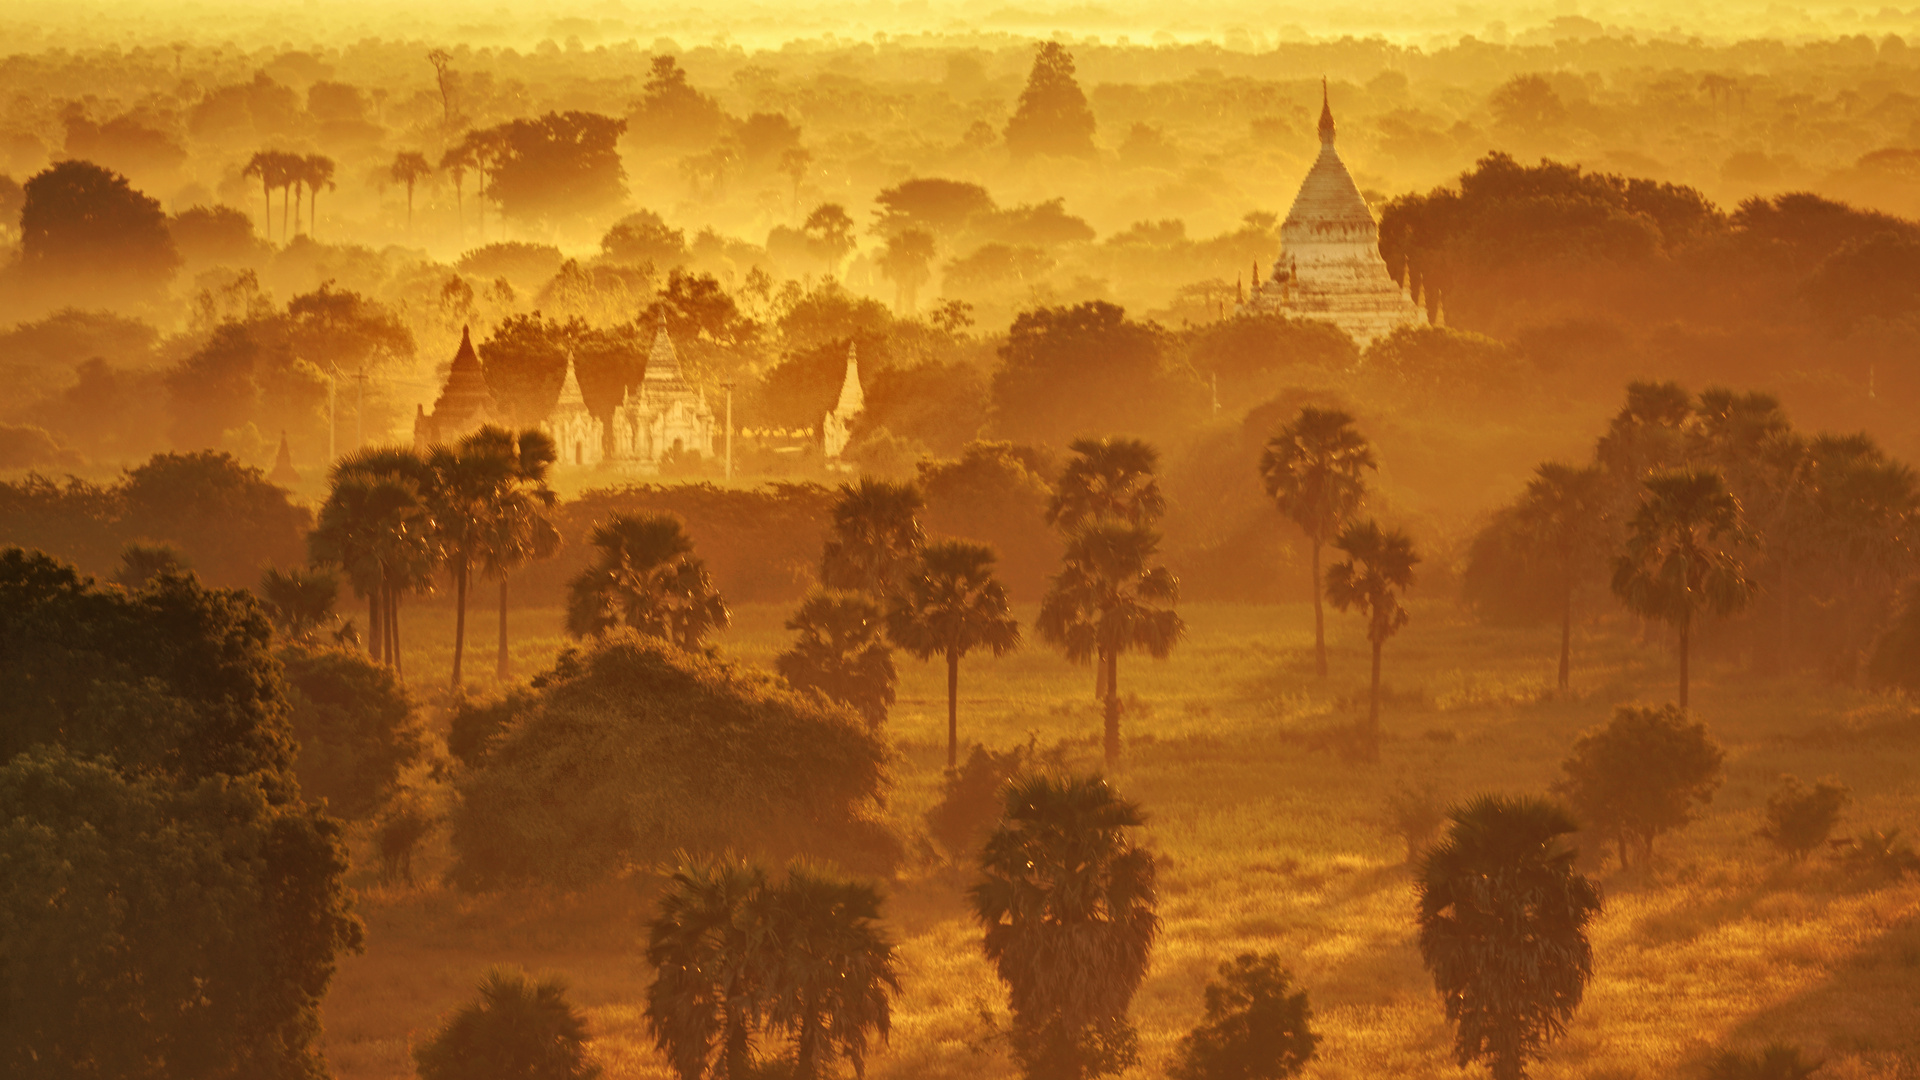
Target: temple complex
<point>578,436</point>
<point>464,404</point>
<point>836,430</point>
<point>667,413</point>
<point>1330,266</point>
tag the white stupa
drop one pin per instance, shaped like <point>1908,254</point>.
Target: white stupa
<point>836,430</point>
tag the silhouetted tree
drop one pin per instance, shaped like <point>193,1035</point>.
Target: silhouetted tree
<point>1503,929</point>
<point>873,543</point>
<point>945,208</point>
<point>645,576</point>
<point>519,1029</point>
<point>469,483</point>
<point>1314,470</point>
<point>377,526</point>
<point>1679,558</point>
<point>1254,1028</point>
<point>644,237</point>
<point>1377,571</point>
<point>829,232</point>
<point>832,974</point>
<point>141,563</point>
<point>1640,775</point>
<point>517,530</point>
<point>672,112</point>
<point>557,167</point>
<point>409,168</point>
<point>1053,116</point>
<point>949,605</point>
<point>1068,370</point>
<point>1800,818</point>
<point>712,969</point>
<point>316,172</point>
<point>1068,900</point>
<point>85,226</point>
<point>907,261</point>
<point>300,602</point>
<point>1562,513</point>
<point>842,652</point>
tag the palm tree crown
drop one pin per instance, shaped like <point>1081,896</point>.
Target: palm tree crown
<point>832,973</point>
<point>647,577</point>
<point>1377,570</point>
<point>1108,478</point>
<point>874,537</point>
<point>1503,928</point>
<point>708,946</point>
<point>1562,515</point>
<point>1314,471</point>
<point>841,652</point>
<point>950,606</point>
<point>1067,902</point>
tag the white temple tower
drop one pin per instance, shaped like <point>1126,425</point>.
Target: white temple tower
<point>667,414</point>
<point>1330,266</point>
<point>577,434</point>
<point>837,428</point>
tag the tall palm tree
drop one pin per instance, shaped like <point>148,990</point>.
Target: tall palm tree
<point>1680,556</point>
<point>1503,929</point>
<point>455,163</point>
<point>1313,470</point>
<point>1067,902</point>
<point>646,576</point>
<point>842,652</point>
<point>377,526</point>
<point>951,605</point>
<point>709,945</point>
<point>469,481</point>
<point>832,973</point>
<point>287,167</point>
<point>517,528</point>
<point>265,166</point>
<point>317,171</point>
<point>1108,478</point>
<point>1109,599</point>
<point>1377,570</point>
<point>1562,514</point>
<point>409,168</point>
<point>874,538</point>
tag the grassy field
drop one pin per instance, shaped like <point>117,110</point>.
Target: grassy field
<point>1268,845</point>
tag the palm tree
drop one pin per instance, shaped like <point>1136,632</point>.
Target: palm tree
<point>517,529</point>
<point>1679,558</point>
<point>951,605</point>
<point>1108,478</point>
<point>709,946</point>
<point>265,165</point>
<point>378,527</point>
<point>832,969</point>
<point>300,601</point>
<point>519,1028</point>
<point>908,255</point>
<point>1067,902</point>
<point>1313,470</point>
<point>875,537</point>
<point>841,652</point>
<point>1108,599</point>
<point>1377,570</point>
<point>409,167</point>
<point>647,577</point>
<point>317,171</point>
<point>287,167</point>
<point>1561,514</point>
<point>469,482</point>
<point>1503,928</point>
<point>455,163</point>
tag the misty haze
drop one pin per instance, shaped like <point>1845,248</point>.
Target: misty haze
<point>959,541</point>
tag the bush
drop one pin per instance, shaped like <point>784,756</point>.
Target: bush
<point>478,721</point>
<point>1641,775</point>
<point>355,726</point>
<point>1253,1029</point>
<point>971,799</point>
<point>1778,1061</point>
<point>842,653</point>
<point>1800,818</point>
<point>1416,814</point>
<point>402,826</point>
<point>517,1030</point>
<point>631,750</point>
<point>1880,854</point>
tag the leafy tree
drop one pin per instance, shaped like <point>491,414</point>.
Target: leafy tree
<point>672,112</point>
<point>1528,104</point>
<point>227,518</point>
<point>842,652</point>
<point>1680,558</point>
<point>874,540</point>
<point>83,226</point>
<point>316,172</point>
<point>1503,929</point>
<point>1067,902</point>
<point>519,1029</point>
<point>1109,599</point>
<point>1641,775</point>
<point>1254,1029</point>
<point>269,167</point>
<point>1800,818</point>
<point>354,724</point>
<point>1313,470</point>
<point>558,167</point>
<point>645,237</point>
<point>1377,571</point>
<point>971,798</point>
<point>1562,513</point>
<point>470,487</point>
<point>1068,370</point>
<point>994,492</point>
<point>932,204</point>
<point>409,168</point>
<point>948,606</point>
<point>141,563</point>
<point>1053,116</point>
<point>525,362</point>
<point>829,232</point>
<point>173,906</point>
<point>908,262</point>
<point>1247,352</point>
<point>217,235</point>
<point>645,576</point>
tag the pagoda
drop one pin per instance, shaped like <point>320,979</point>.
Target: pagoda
<point>1330,266</point>
<point>465,404</point>
<point>578,436</point>
<point>664,414</point>
<point>837,429</point>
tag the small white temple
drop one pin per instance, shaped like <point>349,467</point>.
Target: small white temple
<point>577,434</point>
<point>1330,266</point>
<point>836,429</point>
<point>667,414</point>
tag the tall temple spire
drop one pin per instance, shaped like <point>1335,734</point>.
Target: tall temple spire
<point>1326,115</point>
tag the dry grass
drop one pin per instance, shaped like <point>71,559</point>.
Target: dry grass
<point>1269,845</point>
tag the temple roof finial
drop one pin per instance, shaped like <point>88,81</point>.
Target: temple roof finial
<point>1326,113</point>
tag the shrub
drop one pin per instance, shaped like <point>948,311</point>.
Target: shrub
<point>1778,1061</point>
<point>477,722</point>
<point>1416,813</point>
<point>971,799</point>
<point>1641,775</point>
<point>354,723</point>
<point>1253,1029</point>
<point>1800,818</point>
<point>517,1030</point>
<point>841,652</point>
<point>631,749</point>
<point>1880,854</point>
<point>402,826</point>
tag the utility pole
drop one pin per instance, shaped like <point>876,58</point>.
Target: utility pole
<point>360,411</point>
<point>333,377</point>
<point>729,387</point>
